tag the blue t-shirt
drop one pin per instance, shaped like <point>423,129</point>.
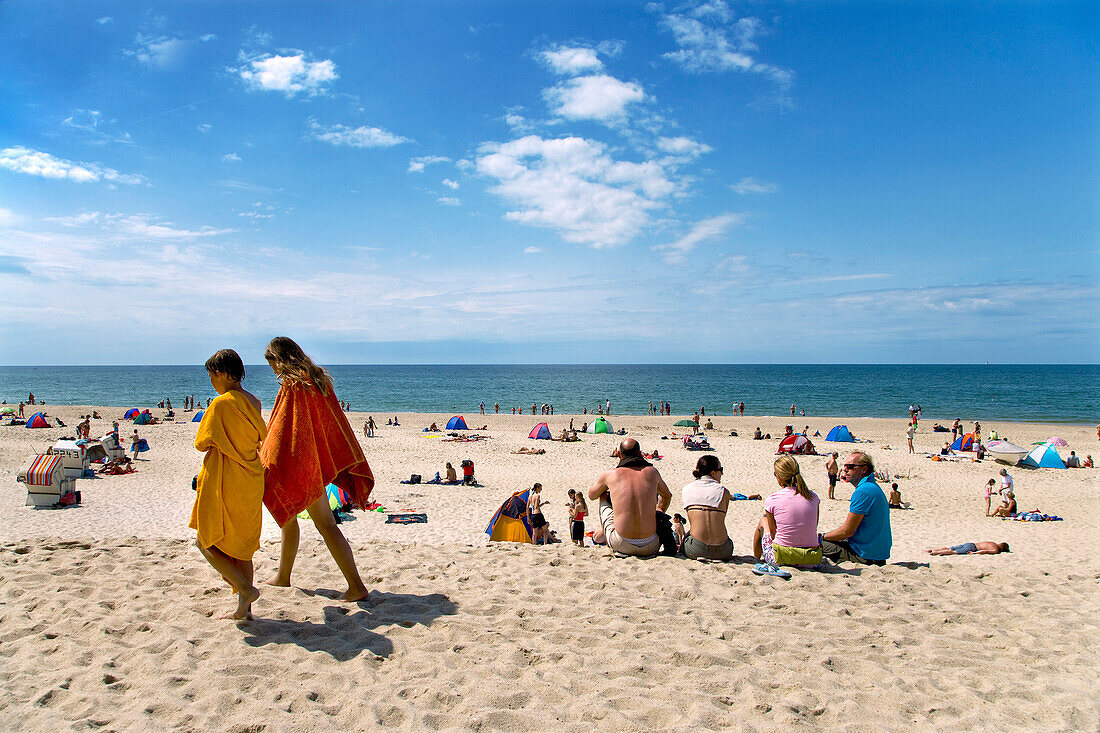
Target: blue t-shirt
<point>872,539</point>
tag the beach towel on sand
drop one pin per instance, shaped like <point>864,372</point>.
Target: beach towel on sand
<point>310,444</point>
<point>230,486</point>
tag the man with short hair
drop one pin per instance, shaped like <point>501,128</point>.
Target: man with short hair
<point>865,536</point>
<point>629,496</point>
<point>1073,461</point>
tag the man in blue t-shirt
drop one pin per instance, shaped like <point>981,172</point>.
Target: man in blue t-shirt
<point>864,537</point>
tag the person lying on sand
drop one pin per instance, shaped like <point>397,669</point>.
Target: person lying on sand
<point>530,451</point>
<point>972,548</point>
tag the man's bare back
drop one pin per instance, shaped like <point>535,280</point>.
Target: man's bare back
<point>636,494</point>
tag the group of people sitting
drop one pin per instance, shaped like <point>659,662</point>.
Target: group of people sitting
<point>633,497</point>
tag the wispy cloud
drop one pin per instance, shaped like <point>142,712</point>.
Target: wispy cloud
<point>163,53</point>
<point>601,97</point>
<point>417,165</point>
<point>231,158</point>
<point>570,60</point>
<point>702,232</point>
<point>712,39</point>
<point>449,201</point>
<point>38,163</point>
<point>9,218</point>
<point>453,185</point>
<point>576,187</point>
<point>140,226</point>
<point>751,185</point>
<point>683,147</point>
<point>91,123</point>
<point>105,20</point>
<point>355,137</point>
<point>531,250</point>
<point>291,74</point>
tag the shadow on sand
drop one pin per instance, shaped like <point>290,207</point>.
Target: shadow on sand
<point>346,632</point>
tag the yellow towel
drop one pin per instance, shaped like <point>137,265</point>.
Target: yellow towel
<point>228,508</point>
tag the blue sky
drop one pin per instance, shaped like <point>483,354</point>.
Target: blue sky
<point>550,181</point>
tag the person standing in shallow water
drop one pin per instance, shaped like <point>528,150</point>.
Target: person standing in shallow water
<point>309,445</point>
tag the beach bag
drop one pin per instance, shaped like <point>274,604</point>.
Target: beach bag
<point>796,555</point>
<point>415,478</point>
<point>667,535</point>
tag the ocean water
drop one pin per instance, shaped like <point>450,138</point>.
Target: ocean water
<point>1042,393</point>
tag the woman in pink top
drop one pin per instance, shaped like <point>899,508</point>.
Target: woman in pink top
<point>789,527</point>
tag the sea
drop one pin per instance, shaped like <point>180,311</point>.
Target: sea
<point>1033,393</point>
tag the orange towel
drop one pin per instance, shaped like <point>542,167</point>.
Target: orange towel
<point>310,444</point>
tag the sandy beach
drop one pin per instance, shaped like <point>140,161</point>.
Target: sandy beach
<point>108,612</point>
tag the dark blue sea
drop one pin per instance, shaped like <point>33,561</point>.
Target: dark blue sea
<point>1042,393</point>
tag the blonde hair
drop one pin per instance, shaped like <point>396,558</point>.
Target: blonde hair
<point>790,475</point>
<point>864,460</point>
<point>293,365</point>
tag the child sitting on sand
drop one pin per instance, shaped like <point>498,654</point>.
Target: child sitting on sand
<point>230,486</point>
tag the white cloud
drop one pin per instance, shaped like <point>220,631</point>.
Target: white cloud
<point>105,20</point>
<point>358,137</point>
<point>449,201</point>
<point>450,184</point>
<point>574,186</point>
<point>711,40</point>
<point>9,218</point>
<point>531,250</point>
<point>570,60</point>
<point>702,232</point>
<point>683,147</point>
<point>163,53</point>
<point>231,158</point>
<point>37,163</point>
<point>287,74</point>
<point>204,128</point>
<point>142,226</point>
<point>751,185</point>
<point>600,97</point>
<point>207,37</point>
<point>417,165</point>
<point>91,123</point>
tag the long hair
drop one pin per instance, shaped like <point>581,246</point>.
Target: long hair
<point>293,365</point>
<point>707,464</point>
<point>788,472</point>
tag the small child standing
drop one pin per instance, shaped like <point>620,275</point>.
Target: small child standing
<point>230,486</point>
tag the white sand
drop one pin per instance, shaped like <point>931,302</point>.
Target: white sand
<point>105,609</point>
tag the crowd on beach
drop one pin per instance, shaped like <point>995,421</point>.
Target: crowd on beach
<point>286,463</point>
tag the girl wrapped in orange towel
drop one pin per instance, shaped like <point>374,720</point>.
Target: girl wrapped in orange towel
<point>230,486</point>
<point>310,444</point>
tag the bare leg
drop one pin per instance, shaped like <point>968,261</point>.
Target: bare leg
<point>239,575</point>
<point>941,551</point>
<point>321,515</point>
<point>288,550</point>
<point>987,506</point>
<point>757,544</point>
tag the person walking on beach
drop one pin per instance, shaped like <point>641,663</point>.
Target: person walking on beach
<point>864,536</point>
<point>228,510</point>
<point>636,488</point>
<point>909,433</point>
<point>832,470</point>
<point>309,445</point>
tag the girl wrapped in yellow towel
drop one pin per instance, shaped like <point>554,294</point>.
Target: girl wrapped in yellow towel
<point>228,507</point>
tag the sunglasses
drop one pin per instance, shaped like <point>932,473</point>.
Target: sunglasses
<point>853,465</point>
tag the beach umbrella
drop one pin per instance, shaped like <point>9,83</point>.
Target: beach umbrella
<point>685,424</point>
<point>1055,441</point>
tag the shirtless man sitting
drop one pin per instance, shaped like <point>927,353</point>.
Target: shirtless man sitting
<point>629,497</point>
<point>972,548</point>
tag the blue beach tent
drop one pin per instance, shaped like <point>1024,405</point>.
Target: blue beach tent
<point>510,523</point>
<point>1044,456</point>
<point>37,420</point>
<point>964,442</point>
<point>540,432</point>
<point>198,416</point>
<point>457,423</point>
<point>840,434</point>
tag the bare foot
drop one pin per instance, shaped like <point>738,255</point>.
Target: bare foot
<point>277,581</point>
<point>351,596</point>
<point>244,605</point>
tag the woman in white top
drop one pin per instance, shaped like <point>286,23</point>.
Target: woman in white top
<point>705,503</point>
